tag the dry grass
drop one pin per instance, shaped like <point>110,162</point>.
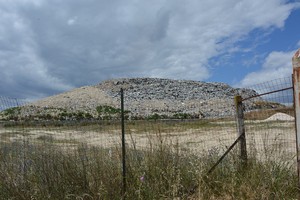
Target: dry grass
<point>164,161</point>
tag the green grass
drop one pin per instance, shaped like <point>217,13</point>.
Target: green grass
<point>256,180</point>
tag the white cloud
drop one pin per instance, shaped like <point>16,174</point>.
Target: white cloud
<point>74,43</point>
<point>72,21</point>
<point>24,73</point>
<point>276,65</point>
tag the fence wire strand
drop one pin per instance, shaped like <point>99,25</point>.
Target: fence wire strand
<point>269,126</point>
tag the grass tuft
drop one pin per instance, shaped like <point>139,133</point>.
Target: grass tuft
<point>44,171</point>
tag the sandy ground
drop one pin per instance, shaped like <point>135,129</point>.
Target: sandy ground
<point>275,138</point>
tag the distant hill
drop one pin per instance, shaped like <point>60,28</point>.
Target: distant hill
<point>144,98</point>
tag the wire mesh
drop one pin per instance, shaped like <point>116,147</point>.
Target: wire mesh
<point>90,148</point>
<point>270,123</point>
<point>208,129</point>
<point>7,102</point>
<point>209,126</point>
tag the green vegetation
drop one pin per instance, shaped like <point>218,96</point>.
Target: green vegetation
<point>12,111</point>
<point>109,113</point>
<point>257,180</point>
<point>48,160</point>
<point>32,113</point>
<point>157,116</point>
<point>102,112</point>
<point>49,170</point>
<point>184,116</point>
<point>107,110</point>
<point>151,126</point>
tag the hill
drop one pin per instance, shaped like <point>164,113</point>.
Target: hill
<point>144,98</point>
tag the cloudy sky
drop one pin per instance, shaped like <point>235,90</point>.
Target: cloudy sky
<point>51,46</point>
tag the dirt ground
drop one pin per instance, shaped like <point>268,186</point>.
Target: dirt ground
<point>264,138</point>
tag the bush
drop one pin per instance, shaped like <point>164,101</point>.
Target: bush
<point>12,111</point>
<point>107,110</point>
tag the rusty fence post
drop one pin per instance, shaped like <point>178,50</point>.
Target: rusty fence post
<point>241,127</point>
<point>296,86</point>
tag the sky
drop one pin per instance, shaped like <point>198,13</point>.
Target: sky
<point>51,46</point>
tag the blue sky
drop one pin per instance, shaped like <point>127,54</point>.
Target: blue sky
<point>48,47</point>
<point>262,45</point>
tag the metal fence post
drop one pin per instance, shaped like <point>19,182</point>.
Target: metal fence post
<point>296,84</point>
<point>123,146</point>
<point>241,127</point>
